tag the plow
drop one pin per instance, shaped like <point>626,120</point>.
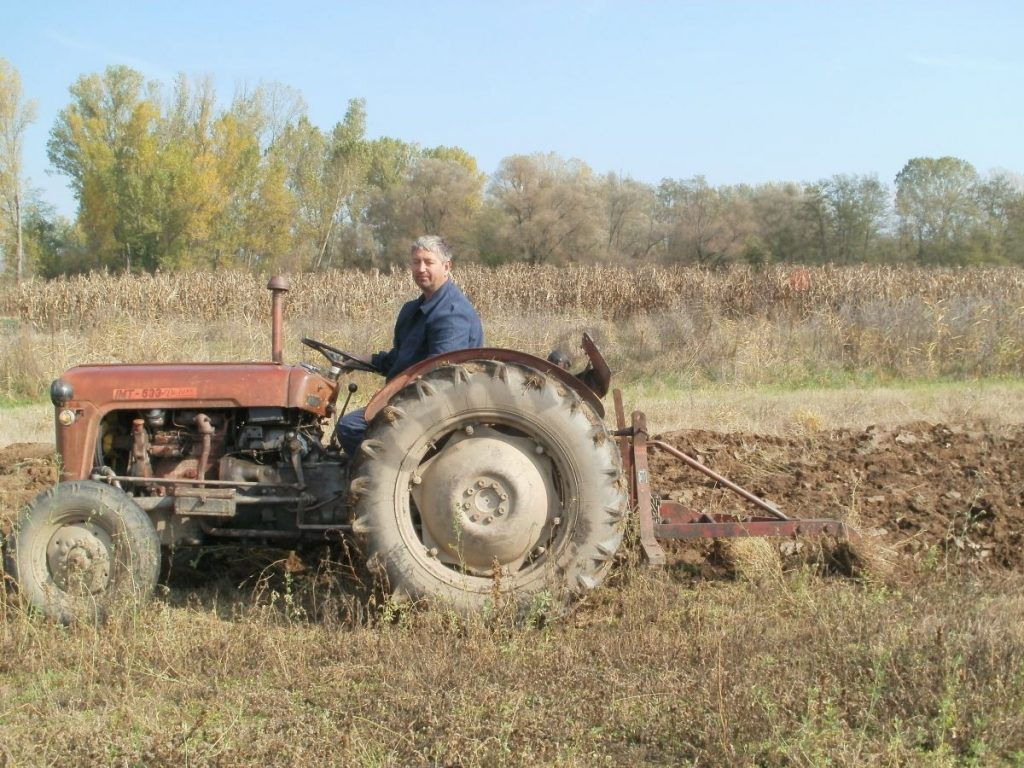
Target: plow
<point>670,520</point>
<point>482,470</point>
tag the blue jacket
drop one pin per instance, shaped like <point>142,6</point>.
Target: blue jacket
<point>445,322</point>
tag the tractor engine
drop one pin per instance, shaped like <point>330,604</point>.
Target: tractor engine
<point>244,473</point>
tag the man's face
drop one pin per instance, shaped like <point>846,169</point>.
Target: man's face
<point>428,271</point>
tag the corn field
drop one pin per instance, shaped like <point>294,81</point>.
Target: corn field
<point>775,326</point>
<point>607,292</point>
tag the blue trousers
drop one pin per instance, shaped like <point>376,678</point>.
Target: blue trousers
<point>351,429</point>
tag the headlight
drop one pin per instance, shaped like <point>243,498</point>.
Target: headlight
<point>66,417</point>
<point>60,393</point>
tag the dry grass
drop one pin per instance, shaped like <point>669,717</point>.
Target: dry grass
<point>736,326</point>
<point>601,291</point>
<point>809,672</point>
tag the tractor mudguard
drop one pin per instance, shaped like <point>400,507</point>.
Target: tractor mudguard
<point>596,372</point>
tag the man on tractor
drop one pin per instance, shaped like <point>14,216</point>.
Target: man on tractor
<point>441,320</point>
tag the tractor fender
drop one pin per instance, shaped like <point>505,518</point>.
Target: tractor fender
<point>413,372</point>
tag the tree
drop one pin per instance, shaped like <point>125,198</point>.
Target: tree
<point>51,243</point>
<point>15,116</point>
<point>551,207</point>
<point>188,192</point>
<point>705,225</point>
<point>106,142</point>
<point>326,174</point>
<point>848,216</point>
<point>441,193</point>
<point>937,207</point>
<point>1000,199</point>
<point>633,228</point>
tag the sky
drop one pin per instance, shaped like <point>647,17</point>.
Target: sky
<point>740,92</point>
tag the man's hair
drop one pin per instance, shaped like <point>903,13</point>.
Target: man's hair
<point>436,245</point>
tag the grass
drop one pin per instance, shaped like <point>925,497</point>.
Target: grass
<point>798,670</point>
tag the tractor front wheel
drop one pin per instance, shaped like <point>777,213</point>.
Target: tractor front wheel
<point>485,479</point>
<point>80,549</point>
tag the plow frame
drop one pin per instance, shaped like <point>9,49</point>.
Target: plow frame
<point>671,520</point>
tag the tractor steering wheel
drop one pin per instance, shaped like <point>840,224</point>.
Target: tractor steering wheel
<point>338,357</point>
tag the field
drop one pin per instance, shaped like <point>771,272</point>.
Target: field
<point>895,407</point>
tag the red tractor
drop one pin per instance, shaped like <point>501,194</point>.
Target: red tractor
<point>482,470</point>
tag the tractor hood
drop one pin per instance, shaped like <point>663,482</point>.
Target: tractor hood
<point>83,395</point>
<point>200,385</point>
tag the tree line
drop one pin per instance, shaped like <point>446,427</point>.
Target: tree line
<point>168,178</point>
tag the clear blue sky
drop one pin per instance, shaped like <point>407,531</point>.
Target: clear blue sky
<point>737,91</point>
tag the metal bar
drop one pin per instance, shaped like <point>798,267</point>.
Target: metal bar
<point>625,448</point>
<point>751,528</point>
<point>278,286</point>
<point>162,503</point>
<point>642,484</point>
<point>693,463</point>
<point>248,533</point>
<point>190,481</point>
<point>340,527</point>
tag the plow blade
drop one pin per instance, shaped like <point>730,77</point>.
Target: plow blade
<point>674,521</point>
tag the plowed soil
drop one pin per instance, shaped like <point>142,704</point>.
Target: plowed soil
<point>931,490</point>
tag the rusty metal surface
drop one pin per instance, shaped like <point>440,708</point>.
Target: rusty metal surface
<point>134,480</point>
<point>675,521</point>
<point>389,390</point>
<point>278,286</point>
<point>679,522</point>
<point>601,374</point>
<point>737,528</point>
<point>642,492</point>
<point>247,533</point>
<point>100,389</point>
<point>625,446</point>
<point>208,502</point>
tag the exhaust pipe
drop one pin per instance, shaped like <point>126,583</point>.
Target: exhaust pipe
<point>279,285</point>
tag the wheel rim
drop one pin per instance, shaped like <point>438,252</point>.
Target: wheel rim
<point>527,465</point>
<point>79,557</point>
<point>485,500</point>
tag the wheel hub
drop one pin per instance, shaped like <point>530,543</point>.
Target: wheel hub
<point>485,500</point>
<point>79,557</point>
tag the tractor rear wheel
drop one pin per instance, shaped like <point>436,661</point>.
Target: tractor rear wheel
<point>489,478</point>
<point>80,549</point>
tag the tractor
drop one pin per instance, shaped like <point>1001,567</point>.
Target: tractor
<point>483,471</point>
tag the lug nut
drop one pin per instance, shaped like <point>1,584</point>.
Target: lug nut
<point>432,551</point>
<point>469,429</point>
<point>539,448</point>
<point>416,479</point>
<point>556,521</point>
<point>487,520</point>
<point>480,483</point>
<point>503,496</point>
